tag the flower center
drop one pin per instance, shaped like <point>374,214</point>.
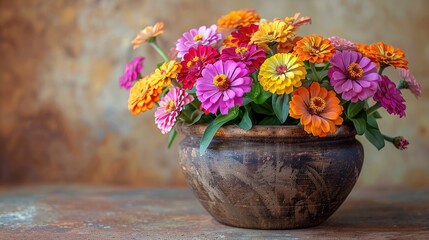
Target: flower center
<point>193,61</point>
<point>221,82</point>
<point>355,70</point>
<point>241,50</point>
<point>317,105</point>
<point>170,106</point>
<point>198,37</point>
<point>282,69</point>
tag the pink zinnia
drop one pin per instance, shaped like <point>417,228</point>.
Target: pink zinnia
<point>341,44</point>
<point>411,82</point>
<point>251,55</point>
<point>202,36</point>
<point>400,143</point>
<point>353,75</point>
<point>223,85</point>
<point>131,73</point>
<point>193,63</point>
<point>170,107</point>
<point>390,97</point>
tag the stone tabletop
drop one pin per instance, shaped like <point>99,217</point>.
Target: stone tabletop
<point>91,212</point>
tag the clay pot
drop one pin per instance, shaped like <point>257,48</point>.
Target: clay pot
<point>271,177</point>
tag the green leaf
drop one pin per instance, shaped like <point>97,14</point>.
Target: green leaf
<point>264,109</point>
<point>375,137</point>
<point>354,108</point>
<point>372,121</point>
<point>360,123</point>
<point>246,122</point>
<point>171,137</point>
<point>257,94</point>
<point>376,115</point>
<point>214,126</point>
<point>281,106</point>
<point>195,116</point>
<point>232,112</point>
<point>270,121</point>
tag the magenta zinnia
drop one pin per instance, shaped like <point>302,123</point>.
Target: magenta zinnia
<point>170,107</point>
<point>131,73</point>
<point>353,75</point>
<point>390,97</point>
<point>223,85</point>
<point>251,55</point>
<point>206,36</point>
<point>194,62</point>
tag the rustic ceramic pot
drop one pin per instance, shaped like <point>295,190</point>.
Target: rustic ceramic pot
<point>271,177</point>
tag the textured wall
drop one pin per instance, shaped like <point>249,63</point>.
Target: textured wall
<point>64,119</point>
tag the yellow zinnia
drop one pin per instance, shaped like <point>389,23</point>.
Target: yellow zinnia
<point>166,72</point>
<point>281,72</point>
<point>276,31</point>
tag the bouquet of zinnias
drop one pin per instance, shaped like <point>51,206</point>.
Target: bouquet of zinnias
<point>247,71</point>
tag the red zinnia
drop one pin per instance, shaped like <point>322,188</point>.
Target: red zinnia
<point>243,35</point>
<point>194,62</point>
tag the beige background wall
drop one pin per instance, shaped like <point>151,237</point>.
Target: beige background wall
<point>63,118</point>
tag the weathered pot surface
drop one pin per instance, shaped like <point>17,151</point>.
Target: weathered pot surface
<point>271,177</point>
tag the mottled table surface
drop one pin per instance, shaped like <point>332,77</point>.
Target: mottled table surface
<point>89,212</point>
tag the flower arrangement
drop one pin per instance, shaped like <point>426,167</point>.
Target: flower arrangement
<point>248,71</point>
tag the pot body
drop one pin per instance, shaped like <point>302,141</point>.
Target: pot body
<point>271,177</point>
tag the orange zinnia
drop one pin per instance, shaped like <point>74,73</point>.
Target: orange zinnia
<point>143,94</point>
<point>315,49</point>
<point>237,19</point>
<point>147,33</point>
<point>387,55</point>
<point>288,46</point>
<point>318,109</point>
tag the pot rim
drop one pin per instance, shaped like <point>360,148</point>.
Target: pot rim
<point>292,132</point>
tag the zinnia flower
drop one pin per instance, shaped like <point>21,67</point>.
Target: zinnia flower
<point>315,49</point>
<point>143,94</point>
<point>341,44</point>
<point>390,97</point>
<point>281,72</point>
<point>288,46</point>
<point>242,35</point>
<point>411,82</point>
<point>296,21</point>
<point>400,143</point>
<point>237,19</point>
<point>276,31</point>
<point>170,107</point>
<point>353,75</point>
<point>201,36</point>
<point>147,33</point>
<point>194,62</point>
<point>387,55</point>
<point>251,55</point>
<point>166,72</point>
<point>131,73</point>
<point>318,109</point>
<point>223,85</point>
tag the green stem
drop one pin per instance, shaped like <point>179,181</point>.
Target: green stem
<point>387,138</point>
<point>313,69</point>
<point>159,50</point>
<point>382,67</point>
<point>372,109</point>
